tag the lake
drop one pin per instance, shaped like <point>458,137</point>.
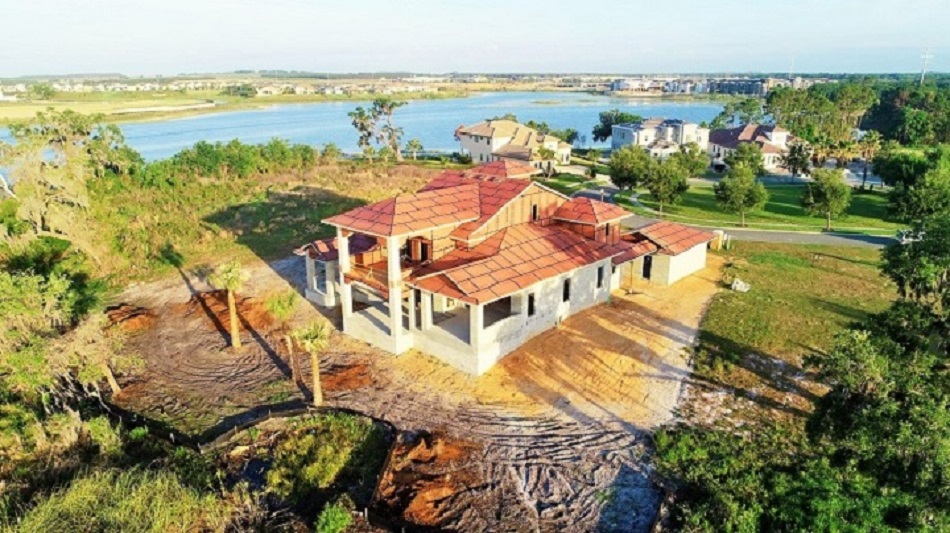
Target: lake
<point>431,121</point>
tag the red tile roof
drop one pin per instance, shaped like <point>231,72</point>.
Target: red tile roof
<point>408,213</point>
<point>588,211</point>
<point>632,247</point>
<point>749,133</point>
<point>512,260</point>
<point>674,239</point>
<point>503,169</point>
<point>326,250</point>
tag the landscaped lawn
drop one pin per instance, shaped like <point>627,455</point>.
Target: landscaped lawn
<point>867,212</point>
<point>566,183</point>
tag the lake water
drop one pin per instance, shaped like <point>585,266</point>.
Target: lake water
<point>431,121</point>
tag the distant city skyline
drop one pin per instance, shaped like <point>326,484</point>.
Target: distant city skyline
<point>59,37</point>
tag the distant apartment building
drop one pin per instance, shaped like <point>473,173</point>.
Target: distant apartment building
<point>661,137</point>
<point>772,141</point>
<point>507,140</point>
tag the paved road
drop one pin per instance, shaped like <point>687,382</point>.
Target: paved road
<point>793,237</point>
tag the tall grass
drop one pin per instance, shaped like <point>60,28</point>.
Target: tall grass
<point>131,501</point>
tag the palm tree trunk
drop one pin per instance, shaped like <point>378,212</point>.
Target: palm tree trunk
<point>317,391</point>
<point>828,221</point>
<point>864,177</point>
<point>235,329</point>
<point>294,375</point>
<point>661,208</point>
<point>742,216</point>
<point>110,377</point>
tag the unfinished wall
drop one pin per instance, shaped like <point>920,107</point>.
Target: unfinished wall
<point>668,269</point>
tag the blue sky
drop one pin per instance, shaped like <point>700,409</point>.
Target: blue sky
<point>177,36</point>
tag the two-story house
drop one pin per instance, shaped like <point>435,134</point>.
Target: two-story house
<point>660,137</point>
<point>507,140</point>
<point>773,141</point>
<point>477,262</point>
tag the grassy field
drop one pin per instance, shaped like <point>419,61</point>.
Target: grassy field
<point>208,220</point>
<point>867,212</point>
<point>121,106</point>
<point>752,346</point>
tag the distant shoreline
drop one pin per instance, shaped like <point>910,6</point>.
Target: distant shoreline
<point>122,108</point>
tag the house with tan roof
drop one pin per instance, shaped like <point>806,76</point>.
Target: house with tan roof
<point>772,140</point>
<point>477,262</point>
<point>507,140</point>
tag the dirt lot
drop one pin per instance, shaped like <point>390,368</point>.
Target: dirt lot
<point>554,436</point>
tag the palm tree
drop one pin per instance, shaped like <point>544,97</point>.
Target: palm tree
<point>231,277</point>
<point>414,146</point>
<point>870,145</point>
<point>546,155</point>
<point>313,338</point>
<point>282,307</point>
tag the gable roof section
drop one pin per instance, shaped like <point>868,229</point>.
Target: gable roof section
<point>589,211</point>
<point>408,213</point>
<point>502,169</point>
<point>514,259</point>
<point>326,249</point>
<point>674,239</point>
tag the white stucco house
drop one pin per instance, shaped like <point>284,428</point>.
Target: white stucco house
<point>772,140</point>
<point>661,137</point>
<point>479,261</point>
<point>507,140</point>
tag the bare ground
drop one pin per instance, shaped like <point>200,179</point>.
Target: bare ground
<point>555,436</point>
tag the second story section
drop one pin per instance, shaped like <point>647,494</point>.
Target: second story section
<point>507,140</point>
<point>454,214</point>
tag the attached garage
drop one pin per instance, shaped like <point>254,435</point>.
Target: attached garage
<point>680,251</point>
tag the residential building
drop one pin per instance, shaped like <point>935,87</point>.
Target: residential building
<point>661,137</point>
<point>479,261</point>
<point>507,140</point>
<point>772,140</point>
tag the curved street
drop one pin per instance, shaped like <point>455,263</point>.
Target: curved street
<point>606,193</point>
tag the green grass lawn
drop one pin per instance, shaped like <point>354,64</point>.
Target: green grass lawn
<point>801,297</point>
<point>566,183</point>
<point>867,212</point>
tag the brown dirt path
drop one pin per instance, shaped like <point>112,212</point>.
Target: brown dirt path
<point>560,427</point>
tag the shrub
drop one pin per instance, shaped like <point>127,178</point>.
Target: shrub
<point>334,518</point>
<point>322,452</point>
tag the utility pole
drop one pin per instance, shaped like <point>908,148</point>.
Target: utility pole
<point>926,61</point>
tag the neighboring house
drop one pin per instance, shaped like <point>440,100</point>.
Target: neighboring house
<point>507,140</point>
<point>660,137</point>
<point>772,140</point>
<point>477,262</point>
<point>10,98</point>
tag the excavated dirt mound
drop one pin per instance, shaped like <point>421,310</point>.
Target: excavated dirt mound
<point>213,307</point>
<point>130,318</point>
<point>347,377</point>
<point>426,470</point>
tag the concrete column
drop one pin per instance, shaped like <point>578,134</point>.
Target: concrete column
<point>476,322</point>
<point>394,275</point>
<point>426,311</point>
<point>346,290</point>
<point>412,309</point>
<point>311,272</point>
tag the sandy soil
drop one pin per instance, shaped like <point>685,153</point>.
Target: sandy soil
<point>556,435</point>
